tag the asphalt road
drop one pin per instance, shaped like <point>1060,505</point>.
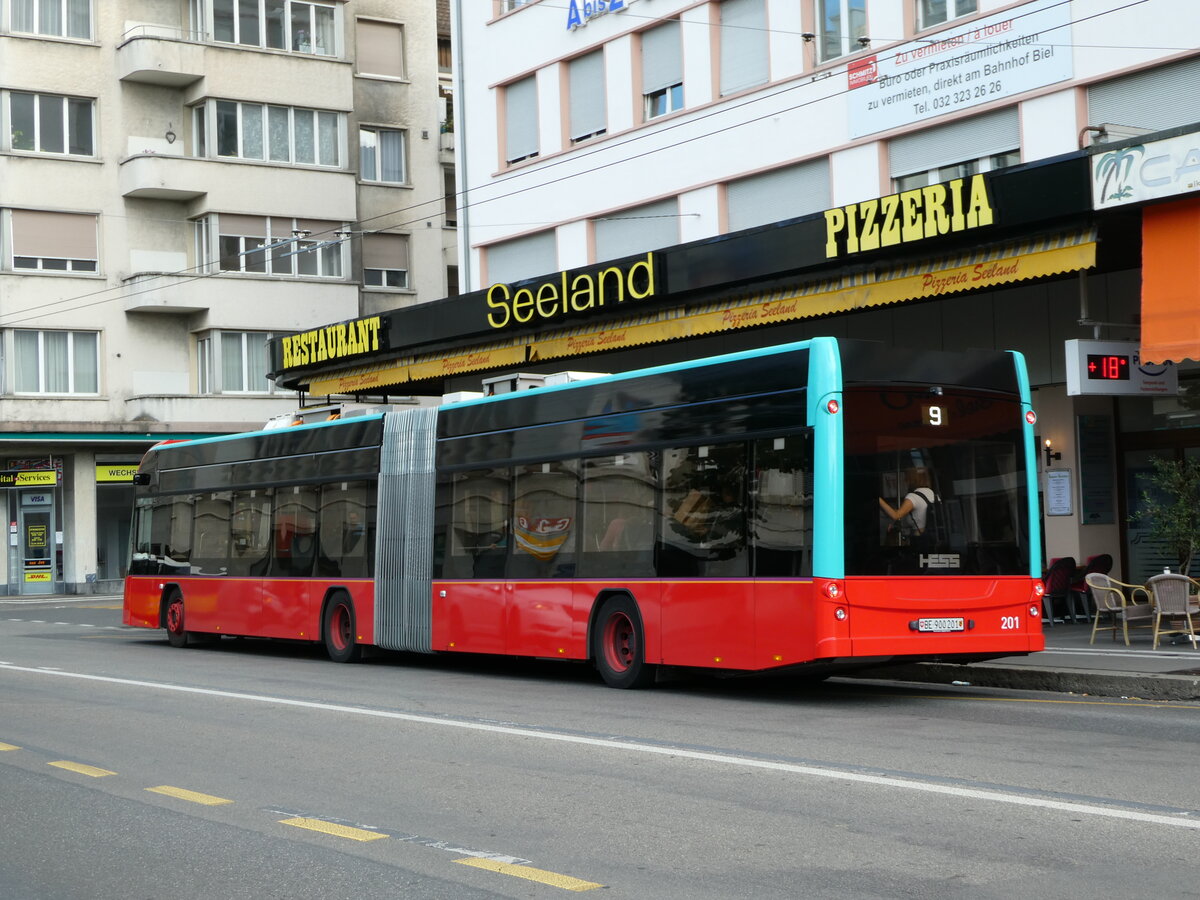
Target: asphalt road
<point>129,769</point>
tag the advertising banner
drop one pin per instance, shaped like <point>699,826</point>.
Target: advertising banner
<point>989,59</point>
<point>1149,171</point>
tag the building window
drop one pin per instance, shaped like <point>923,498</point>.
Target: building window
<point>743,45</point>
<point>445,55</point>
<point>272,245</point>
<point>521,120</point>
<point>510,5</point>
<point>662,70</point>
<point>295,25</point>
<point>47,123</point>
<point>588,117</point>
<point>935,12</point>
<point>385,260</point>
<point>55,18</point>
<point>235,362</point>
<point>958,170</point>
<point>56,362</point>
<point>450,197</point>
<point>956,150</point>
<point>840,23</point>
<point>534,254</point>
<point>637,230</point>
<point>275,133</point>
<point>381,155</point>
<point>779,194</point>
<point>379,49</point>
<point>53,242</point>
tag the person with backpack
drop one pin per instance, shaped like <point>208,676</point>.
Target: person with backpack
<point>912,514</point>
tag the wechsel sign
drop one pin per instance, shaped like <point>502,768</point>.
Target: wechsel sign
<point>1147,171</point>
<point>989,59</point>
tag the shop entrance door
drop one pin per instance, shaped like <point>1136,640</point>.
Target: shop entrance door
<point>1145,555</point>
<point>36,545</point>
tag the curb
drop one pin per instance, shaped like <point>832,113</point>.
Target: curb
<point>1127,685</point>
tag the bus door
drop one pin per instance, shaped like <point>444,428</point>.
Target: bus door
<point>539,594</point>
<point>240,599</point>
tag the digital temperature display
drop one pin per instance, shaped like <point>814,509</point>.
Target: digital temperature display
<point>1107,367</point>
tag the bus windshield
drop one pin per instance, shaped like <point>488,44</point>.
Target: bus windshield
<point>934,483</point>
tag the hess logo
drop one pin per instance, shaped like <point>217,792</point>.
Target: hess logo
<point>940,560</point>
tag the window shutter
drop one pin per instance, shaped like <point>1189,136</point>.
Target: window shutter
<point>587,94</point>
<point>63,235</point>
<point>743,45</point>
<point>637,230</point>
<point>1158,99</point>
<point>781,194</point>
<point>521,122</point>
<point>523,257</point>
<point>662,64</point>
<point>385,251</point>
<point>246,226</point>
<point>994,132</point>
<point>380,49</point>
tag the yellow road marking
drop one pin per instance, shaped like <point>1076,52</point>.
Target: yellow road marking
<point>354,834</point>
<point>81,768</point>
<point>566,882</point>
<point>4,746</point>
<point>192,796</point>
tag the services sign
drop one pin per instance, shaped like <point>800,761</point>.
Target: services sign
<point>1022,49</point>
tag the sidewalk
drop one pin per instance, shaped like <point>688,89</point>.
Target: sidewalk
<point>1070,664</point>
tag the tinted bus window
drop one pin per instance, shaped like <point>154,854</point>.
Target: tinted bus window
<point>703,512</point>
<point>781,528</point>
<point>250,545</point>
<point>543,520</point>
<point>210,553</point>
<point>294,531</point>
<point>618,512</point>
<point>347,530</point>
<point>472,514</point>
<point>967,450</point>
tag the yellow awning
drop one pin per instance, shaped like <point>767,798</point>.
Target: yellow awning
<point>484,358</point>
<point>361,378</point>
<point>925,279</point>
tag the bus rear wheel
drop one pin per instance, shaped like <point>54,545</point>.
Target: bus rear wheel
<point>339,630</point>
<point>174,620</point>
<point>618,645</point>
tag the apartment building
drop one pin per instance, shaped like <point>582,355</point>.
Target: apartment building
<point>181,180</point>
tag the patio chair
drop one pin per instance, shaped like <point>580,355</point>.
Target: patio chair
<point>1119,601</point>
<point>1058,580</point>
<point>1174,604</point>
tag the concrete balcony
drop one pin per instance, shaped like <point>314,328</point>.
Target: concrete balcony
<point>150,176</point>
<point>220,414</point>
<point>236,185</point>
<point>158,54</point>
<point>164,292</point>
<point>244,301</point>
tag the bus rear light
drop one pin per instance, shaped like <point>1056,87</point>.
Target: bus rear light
<point>832,590</point>
<point>1034,612</point>
<point>832,407</point>
<point>1038,589</point>
<point>839,614</point>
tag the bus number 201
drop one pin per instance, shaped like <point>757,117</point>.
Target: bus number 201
<point>1010,623</point>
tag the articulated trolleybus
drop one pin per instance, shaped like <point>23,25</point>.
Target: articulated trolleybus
<point>723,513</point>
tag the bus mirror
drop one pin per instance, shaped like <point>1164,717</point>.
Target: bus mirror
<point>141,478</point>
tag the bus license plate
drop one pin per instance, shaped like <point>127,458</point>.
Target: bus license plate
<point>947,624</point>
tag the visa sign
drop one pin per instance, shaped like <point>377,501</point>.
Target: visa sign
<point>580,12</point>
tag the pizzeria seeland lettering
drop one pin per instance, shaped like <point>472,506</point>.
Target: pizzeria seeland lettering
<point>568,293</point>
<point>908,216</point>
<point>331,342</point>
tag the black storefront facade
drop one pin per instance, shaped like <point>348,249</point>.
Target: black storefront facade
<point>1012,259</point>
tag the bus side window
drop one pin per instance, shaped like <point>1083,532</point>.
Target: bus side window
<point>704,512</point>
<point>294,534</point>
<point>250,532</point>
<point>347,530</point>
<point>479,508</point>
<point>543,520</point>
<point>782,512</point>
<point>213,529</point>
<point>618,516</point>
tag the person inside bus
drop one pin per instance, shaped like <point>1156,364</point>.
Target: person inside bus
<point>910,516</point>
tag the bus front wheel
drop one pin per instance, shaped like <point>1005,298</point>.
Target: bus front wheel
<point>339,630</point>
<point>618,645</point>
<point>173,620</point>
